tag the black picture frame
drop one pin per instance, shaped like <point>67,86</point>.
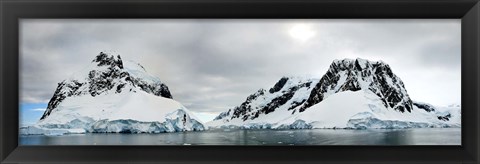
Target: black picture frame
<point>13,10</point>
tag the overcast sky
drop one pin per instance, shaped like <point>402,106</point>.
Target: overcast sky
<point>213,65</point>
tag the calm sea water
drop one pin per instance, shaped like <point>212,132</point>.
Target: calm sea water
<point>428,136</point>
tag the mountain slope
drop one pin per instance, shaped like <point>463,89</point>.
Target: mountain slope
<point>107,73</point>
<point>113,95</point>
<point>287,94</point>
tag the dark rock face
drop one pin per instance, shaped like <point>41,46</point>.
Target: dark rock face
<point>112,77</point>
<point>444,118</point>
<point>102,81</point>
<point>65,89</point>
<point>362,74</point>
<point>424,106</point>
<point>105,59</point>
<point>158,89</point>
<point>279,85</point>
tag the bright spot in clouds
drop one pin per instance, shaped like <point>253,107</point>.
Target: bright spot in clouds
<point>302,32</point>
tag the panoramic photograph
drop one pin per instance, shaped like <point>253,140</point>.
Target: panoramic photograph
<point>286,82</point>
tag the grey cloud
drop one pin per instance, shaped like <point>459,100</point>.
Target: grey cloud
<point>442,54</point>
<point>215,64</point>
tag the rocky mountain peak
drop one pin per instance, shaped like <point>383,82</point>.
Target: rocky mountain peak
<point>108,59</point>
<point>109,75</point>
<point>358,74</point>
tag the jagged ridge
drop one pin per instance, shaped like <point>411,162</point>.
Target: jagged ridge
<point>354,75</point>
<point>283,93</point>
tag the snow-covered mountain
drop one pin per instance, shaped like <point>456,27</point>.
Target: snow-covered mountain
<point>114,95</point>
<point>285,96</point>
<point>353,93</point>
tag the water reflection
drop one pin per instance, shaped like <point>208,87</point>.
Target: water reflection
<point>434,136</point>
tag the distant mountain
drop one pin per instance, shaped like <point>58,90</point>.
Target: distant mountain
<point>114,95</point>
<point>353,93</point>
